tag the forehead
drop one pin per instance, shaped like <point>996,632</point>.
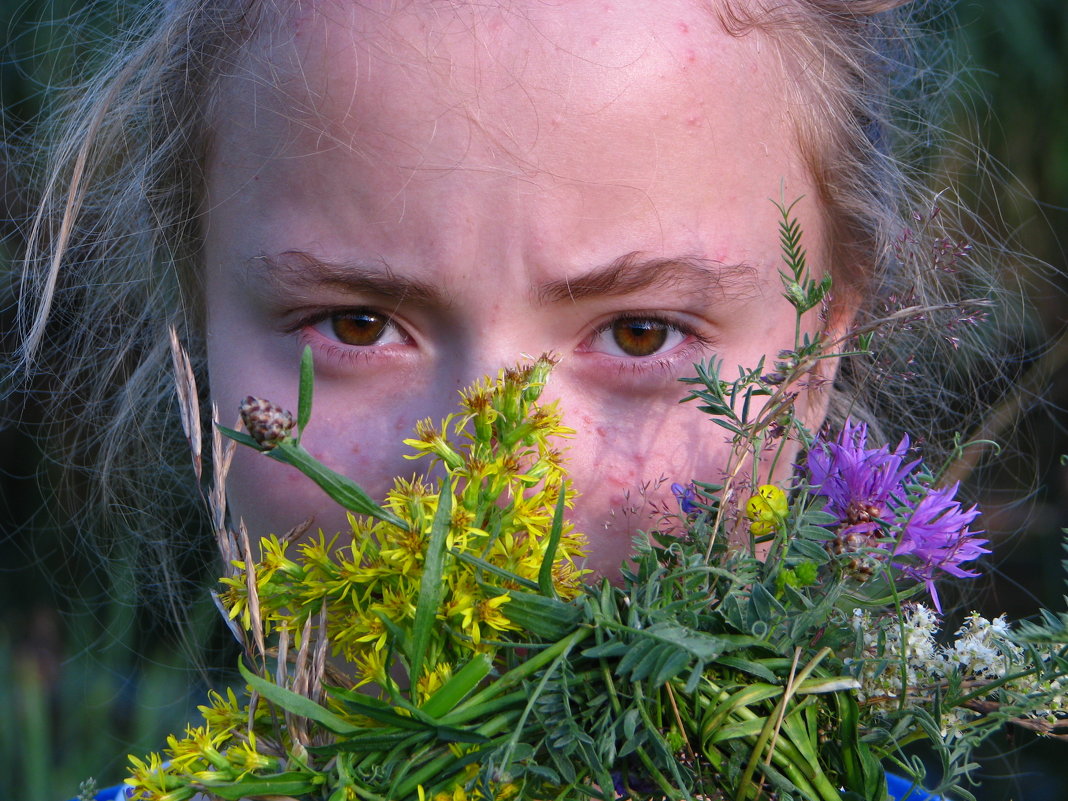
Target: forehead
<point>623,102</point>
<point>396,76</point>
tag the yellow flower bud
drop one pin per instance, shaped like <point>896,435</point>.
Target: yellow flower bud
<point>766,510</point>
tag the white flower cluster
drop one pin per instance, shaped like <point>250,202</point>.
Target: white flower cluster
<point>902,663</point>
<point>900,656</point>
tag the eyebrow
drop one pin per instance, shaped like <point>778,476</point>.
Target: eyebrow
<point>292,271</point>
<point>632,273</point>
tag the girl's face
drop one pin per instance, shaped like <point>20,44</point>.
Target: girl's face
<point>426,195</point>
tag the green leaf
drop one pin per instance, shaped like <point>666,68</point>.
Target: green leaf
<point>811,548</point>
<point>545,573</point>
<point>451,734</point>
<point>747,696</point>
<point>731,731</point>
<point>705,647</point>
<point>748,666</point>
<point>874,777</point>
<point>545,618</point>
<point>457,687</point>
<point>293,783</point>
<point>366,743</point>
<point>371,707</point>
<point>794,727</point>
<point>500,572</point>
<point>296,703</point>
<point>609,649</point>
<point>763,606</point>
<point>431,586</point>
<point>304,397</point>
<point>831,684</point>
<point>819,518</point>
<point>342,489</point>
<point>848,735</point>
<point>638,650</point>
<point>672,666</point>
<point>239,437</point>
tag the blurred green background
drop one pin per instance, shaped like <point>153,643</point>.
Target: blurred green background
<point>90,670</point>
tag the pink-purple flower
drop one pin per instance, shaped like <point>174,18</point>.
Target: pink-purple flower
<point>881,503</point>
<point>861,484</point>
<point>935,534</point>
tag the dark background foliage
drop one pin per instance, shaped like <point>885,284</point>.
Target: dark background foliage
<point>88,672</point>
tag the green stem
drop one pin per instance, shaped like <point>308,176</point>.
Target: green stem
<point>513,677</point>
<point>438,765</point>
<point>646,760</point>
<point>773,724</point>
<point>802,772</point>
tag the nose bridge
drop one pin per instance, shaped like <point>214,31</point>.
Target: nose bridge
<point>498,327</point>
<point>496,322</point>
<point>502,341</point>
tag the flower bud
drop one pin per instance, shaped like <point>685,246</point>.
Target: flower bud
<point>267,423</point>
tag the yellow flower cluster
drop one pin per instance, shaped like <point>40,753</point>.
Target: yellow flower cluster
<point>506,480</point>
<point>205,755</point>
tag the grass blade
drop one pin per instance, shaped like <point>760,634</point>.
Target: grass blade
<point>457,688</point>
<point>430,586</point>
<point>304,397</point>
<point>545,574</point>
<point>296,703</point>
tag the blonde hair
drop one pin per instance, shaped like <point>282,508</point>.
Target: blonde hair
<point>113,250</point>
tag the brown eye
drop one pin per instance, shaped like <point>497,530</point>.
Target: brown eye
<point>637,337</point>
<point>360,328</point>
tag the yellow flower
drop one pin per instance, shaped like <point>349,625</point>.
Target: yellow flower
<point>488,612</point>
<point>316,556</point>
<point>458,794</point>
<point>460,597</point>
<point>272,559</point>
<point>371,630</point>
<point>406,553</point>
<point>246,758</point>
<point>430,440</point>
<point>149,779</point>
<point>226,714</point>
<point>506,791</point>
<point>767,510</point>
<point>432,681</point>
<point>200,744</point>
<point>397,605</point>
<point>370,667</point>
<point>355,575</point>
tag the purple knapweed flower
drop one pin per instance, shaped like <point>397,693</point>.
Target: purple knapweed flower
<point>858,482</point>
<point>879,503</point>
<point>686,497</point>
<point>935,533</point>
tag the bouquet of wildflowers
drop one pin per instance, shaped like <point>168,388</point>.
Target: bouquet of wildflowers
<point>772,642</point>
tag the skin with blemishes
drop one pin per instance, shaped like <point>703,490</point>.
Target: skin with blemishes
<point>487,182</point>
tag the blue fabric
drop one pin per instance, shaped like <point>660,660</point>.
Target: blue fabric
<point>118,793</point>
<point>901,789</point>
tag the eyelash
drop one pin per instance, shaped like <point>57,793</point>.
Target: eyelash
<point>342,354</point>
<point>687,351</point>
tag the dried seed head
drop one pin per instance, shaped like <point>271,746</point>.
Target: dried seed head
<point>266,422</point>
